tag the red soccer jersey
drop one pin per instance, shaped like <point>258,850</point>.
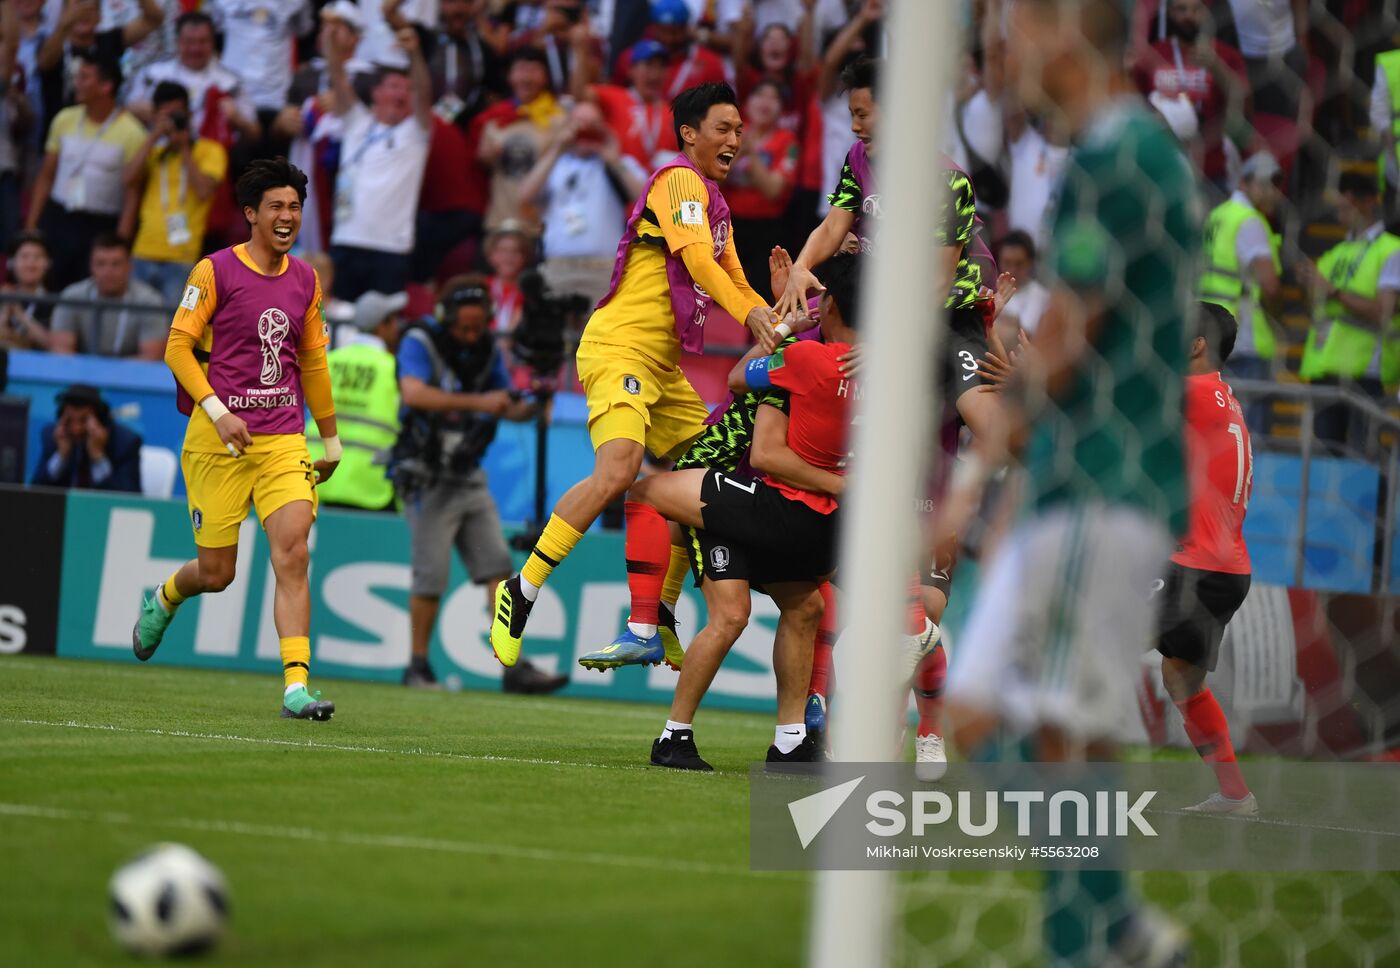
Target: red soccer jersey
<point>1221,467</point>
<point>819,411</point>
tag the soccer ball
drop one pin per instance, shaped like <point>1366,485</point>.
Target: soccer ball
<point>168,900</point>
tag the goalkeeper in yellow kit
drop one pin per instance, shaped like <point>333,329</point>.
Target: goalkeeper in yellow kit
<point>676,269</point>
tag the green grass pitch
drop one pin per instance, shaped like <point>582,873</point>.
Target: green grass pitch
<point>476,828</point>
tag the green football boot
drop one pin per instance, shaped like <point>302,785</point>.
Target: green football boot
<point>300,704</point>
<point>150,628</point>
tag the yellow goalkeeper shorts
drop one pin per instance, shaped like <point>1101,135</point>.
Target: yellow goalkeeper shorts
<point>273,472</point>
<point>634,397</point>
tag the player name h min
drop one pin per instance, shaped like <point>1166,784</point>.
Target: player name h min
<point>850,388</point>
<point>1066,813</point>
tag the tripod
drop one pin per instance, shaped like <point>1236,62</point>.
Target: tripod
<point>534,527</point>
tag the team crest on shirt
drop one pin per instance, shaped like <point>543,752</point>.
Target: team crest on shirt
<point>721,237</point>
<point>719,557</point>
<point>197,518</point>
<point>632,385</point>
<point>273,326</point>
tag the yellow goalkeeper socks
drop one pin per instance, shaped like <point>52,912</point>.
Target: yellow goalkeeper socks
<point>554,545</point>
<point>296,660</point>
<point>675,575</point>
<point>169,597</point>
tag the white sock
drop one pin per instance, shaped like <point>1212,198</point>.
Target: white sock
<point>641,631</point>
<point>531,592</point>
<point>788,738</point>
<point>292,688</point>
<point>671,727</point>
<point>165,606</point>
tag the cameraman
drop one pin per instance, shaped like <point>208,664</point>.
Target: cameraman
<point>454,385</point>
<point>180,172</point>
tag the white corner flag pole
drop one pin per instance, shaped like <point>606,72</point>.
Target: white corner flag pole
<point>902,321</point>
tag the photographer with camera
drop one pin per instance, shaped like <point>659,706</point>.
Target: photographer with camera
<point>454,385</point>
<point>177,173</point>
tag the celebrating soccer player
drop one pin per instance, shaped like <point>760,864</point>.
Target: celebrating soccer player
<point>1099,397</point>
<point>775,529</point>
<point>245,443</point>
<point>675,260</point>
<point>1208,577</point>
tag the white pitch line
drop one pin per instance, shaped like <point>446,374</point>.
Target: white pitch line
<point>392,842</point>
<point>313,744</point>
<point>1274,822</point>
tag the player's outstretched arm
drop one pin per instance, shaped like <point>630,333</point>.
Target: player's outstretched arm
<point>712,277</point>
<point>824,242</point>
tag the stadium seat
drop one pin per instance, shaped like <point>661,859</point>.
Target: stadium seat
<point>159,467</point>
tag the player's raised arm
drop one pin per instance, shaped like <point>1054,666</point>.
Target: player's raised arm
<point>685,226</point>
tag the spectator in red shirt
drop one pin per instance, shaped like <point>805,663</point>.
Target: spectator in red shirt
<point>761,182</point>
<point>638,115</point>
<point>449,211</point>
<point>785,59</point>
<point>690,63</point>
<point>1210,75</point>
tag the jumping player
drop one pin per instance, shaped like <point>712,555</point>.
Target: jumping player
<point>856,206</point>
<point>248,350</point>
<point>1208,577</point>
<point>675,259</point>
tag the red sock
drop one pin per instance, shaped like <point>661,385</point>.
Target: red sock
<point>928,691</point>
<point>648,552</point>
<point>916,616</point>
<point>1210,734</point>
<point>821,649</point>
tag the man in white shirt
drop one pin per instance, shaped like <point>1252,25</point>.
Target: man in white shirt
<point>383,151</point>
<point>583,185</point>
<point>1034,167</point>
<point>1273,38</point>
<point>79,191</point>
<point>258,40</point>
<point>197,68</point>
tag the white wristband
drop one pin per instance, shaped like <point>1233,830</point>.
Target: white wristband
<point>213,406</point>
<point>782,331</point>
<point>333,448</point>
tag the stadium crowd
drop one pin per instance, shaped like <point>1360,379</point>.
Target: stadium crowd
<point>524,130</point>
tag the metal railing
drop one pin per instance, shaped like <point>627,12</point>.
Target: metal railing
<point>1385,455</point>
<point>100,306</point>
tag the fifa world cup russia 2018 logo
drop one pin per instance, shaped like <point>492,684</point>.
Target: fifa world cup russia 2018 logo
<point>273,326</point>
